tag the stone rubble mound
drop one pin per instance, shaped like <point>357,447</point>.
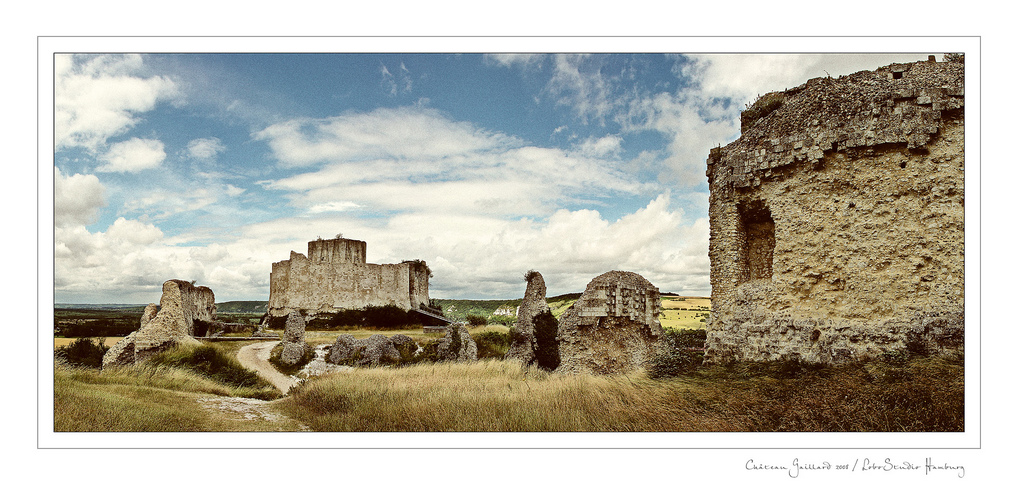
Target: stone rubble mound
<point>375,350</point>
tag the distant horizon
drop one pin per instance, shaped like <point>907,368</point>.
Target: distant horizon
<point>212,166</point>
<point>134,304</point>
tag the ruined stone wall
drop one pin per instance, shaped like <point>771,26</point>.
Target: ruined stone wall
<point>185,312</point>
<point>339,278</point>
<point>612,327</point>
<point>837,220</point>
<point>338,250</point>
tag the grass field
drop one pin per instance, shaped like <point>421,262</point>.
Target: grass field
<point>904,394</point>
<point>685,312</point>
<point>500,396</point>
<point>896,393</point>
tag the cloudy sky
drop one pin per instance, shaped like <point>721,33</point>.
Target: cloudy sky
<point>210,167</point>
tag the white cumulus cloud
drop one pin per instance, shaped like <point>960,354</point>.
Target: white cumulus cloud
<point>206,148</point>
<point>76,198</point>
<point>99,97</point>
<point>133,155</point>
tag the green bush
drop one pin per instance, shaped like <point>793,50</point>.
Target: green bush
<point>83,353</point>
<point>383,317</point>
<point>545,331</point>
<point>501,320</point>
<point>492,344</point>
<point>99,328</point>
<point>476,320</point>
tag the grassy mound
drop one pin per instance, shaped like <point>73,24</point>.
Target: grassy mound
<point>208,361</point>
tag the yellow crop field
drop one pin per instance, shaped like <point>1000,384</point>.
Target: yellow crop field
<point>685,312</point>
<point>61,342</point>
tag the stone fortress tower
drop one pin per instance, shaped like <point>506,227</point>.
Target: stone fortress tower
<point>336,276</point>
<point>837,219</point>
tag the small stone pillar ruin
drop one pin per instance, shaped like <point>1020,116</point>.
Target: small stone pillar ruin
<point>294,340</point>
<point>524,343</point>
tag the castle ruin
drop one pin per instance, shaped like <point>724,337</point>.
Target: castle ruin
<point>837,219</point>
<point>336,276</point>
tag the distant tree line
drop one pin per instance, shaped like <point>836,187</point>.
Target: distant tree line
<point>384,317</point>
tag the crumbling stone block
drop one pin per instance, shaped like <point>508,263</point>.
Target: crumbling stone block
<point>457,345</point>
<point>374,350</point>
<point>612,327</point>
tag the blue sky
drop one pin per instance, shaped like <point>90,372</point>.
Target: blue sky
<point>210,167</point>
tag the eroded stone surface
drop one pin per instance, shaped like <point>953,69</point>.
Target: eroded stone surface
<point>184,310</point>
<point>612,328</point>
<point>524,342</point>
<point>374,350</point>
<point>457,345</point>
<point>837,220</point>
<point>148,314</point>
<point>294,340</point>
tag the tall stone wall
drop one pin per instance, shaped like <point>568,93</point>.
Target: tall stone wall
<point>837,219</point>
<point>185,312</point>
<point>338,277</point>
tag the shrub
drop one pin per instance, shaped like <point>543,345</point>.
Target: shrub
<point>763,106</point>
<point>545,331</point>
<point>492,344</point>
<point>476,320</point>
<point>83,353</point>
<point>429,352</point>
<point>501,320</point>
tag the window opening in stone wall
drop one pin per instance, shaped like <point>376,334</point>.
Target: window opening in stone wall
<point>757,240</point>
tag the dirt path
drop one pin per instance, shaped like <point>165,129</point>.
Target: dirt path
<point>254,357</point>
<point>245,414</point>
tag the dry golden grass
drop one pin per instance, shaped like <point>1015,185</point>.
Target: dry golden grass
<point>144,399</point>
<point>501,396</point>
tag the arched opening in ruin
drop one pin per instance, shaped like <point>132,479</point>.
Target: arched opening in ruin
<point>757,240</point>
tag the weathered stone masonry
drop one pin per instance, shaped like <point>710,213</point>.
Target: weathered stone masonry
<point>336,276</point>
<point>837,219</point>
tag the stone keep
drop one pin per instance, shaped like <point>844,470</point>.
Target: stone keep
<point>837,219</point>
<point>336,276</point>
